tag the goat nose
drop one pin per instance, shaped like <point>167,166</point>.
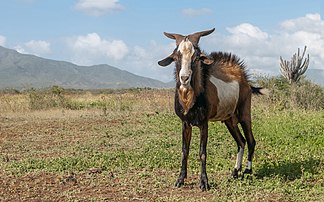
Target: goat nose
<point>184,79</point>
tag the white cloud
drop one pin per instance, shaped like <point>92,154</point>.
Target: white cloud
<point>308,30</point>
<point>41,47</point>
<point>191,12</point>
<point>2,40</point>
<point>248,30</point>
<point>91,48</point>
<point>310,22</point>
<point>98,7</point>
<point>143,61</point>
<point>36,47</point>
<point>20,49</point>
<point>117,49</point>
<point>261,50</point>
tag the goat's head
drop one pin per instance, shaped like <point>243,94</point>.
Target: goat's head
<point>185,55</point>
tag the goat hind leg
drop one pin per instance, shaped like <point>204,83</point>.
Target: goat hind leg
<point>246,126</point>
<point>232,127</point>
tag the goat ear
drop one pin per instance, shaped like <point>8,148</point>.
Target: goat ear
<point>206,60</point>
<point>165,62</point>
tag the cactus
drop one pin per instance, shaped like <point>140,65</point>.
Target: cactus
<point>294,69</point>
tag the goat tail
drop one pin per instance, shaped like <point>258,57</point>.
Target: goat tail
<point>259,91</point>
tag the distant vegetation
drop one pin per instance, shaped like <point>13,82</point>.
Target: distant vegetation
<point>303,94</point>
<point>70,99</point>
<point>283,95</point>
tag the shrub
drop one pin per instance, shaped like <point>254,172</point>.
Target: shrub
<point>44,99</point>
<point>304,94</point>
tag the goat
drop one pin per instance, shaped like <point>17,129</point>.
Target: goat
<point>211,87</point>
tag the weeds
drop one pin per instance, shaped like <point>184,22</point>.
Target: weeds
<point>105,100</point>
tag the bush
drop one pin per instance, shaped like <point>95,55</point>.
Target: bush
<point>44,99</point>
<point>304,94</point>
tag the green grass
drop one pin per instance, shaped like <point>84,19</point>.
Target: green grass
<point>138,154</point>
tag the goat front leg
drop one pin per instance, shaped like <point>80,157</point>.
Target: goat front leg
<point>203,156</point>
<point>186,138</point>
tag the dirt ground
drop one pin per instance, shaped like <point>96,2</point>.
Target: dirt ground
<point>44,135</point>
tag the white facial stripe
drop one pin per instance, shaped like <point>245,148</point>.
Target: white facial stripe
<point>239,159</point>
<point>187,50</point>
<point>228,94</point>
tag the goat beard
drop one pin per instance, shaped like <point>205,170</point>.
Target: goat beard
<point>186,97</point>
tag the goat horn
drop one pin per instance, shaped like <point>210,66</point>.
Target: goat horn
<point>177,37</point>
<point>194,38</point>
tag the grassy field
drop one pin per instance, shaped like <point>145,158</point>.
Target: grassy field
<point>126,146</point>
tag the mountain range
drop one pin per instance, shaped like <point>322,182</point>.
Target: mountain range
<point>23,71</point>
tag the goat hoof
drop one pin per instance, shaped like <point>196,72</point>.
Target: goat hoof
<point>235,173</point>
<point>247,171</point>
<point>204,186</point>
<point>179,182</point>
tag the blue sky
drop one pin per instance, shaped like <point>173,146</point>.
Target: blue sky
<point>128,33</point>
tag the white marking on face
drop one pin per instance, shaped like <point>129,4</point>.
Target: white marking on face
<point>239,159</point>
<point>228,94</point>
<point>187,50</point>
